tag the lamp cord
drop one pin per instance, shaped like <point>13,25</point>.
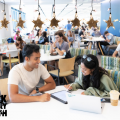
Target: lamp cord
<point>110,6</point>
<point>54,7</point>
<point>76,6</point>
<point>92,5</point>
<point>20,5</point>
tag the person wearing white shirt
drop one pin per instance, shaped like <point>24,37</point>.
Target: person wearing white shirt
<point>24,77</point>
<point>117,51</point>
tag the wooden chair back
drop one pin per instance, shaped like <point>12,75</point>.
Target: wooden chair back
<point>4,87</point>
<point>66,64</point>
<point>118,42</point>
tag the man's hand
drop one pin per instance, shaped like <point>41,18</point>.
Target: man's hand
<point>44,98</point>
<point>33,92</point>
<point>54,44</point>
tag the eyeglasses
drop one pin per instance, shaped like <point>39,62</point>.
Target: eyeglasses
<point>89,59</point>
<point>56,37</point>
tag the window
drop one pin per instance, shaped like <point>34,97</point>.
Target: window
<point>15,16</point>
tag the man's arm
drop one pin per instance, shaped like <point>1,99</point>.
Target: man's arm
<point>36,42</point>
<point>51,48</point>
<point>115,53</point>
<point>107,40</point>
<point>50,84</point>
<point>60,52</point>
<point>15,97</point>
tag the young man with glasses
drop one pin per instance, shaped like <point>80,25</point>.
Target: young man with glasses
<point>59,46</point>
<point>24,77</point>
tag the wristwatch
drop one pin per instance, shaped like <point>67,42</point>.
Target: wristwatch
<point>55,47</point>
<point>37,90</point>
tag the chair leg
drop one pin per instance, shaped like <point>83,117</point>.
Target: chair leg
<point>46,66</point>
<point>66,80</point>
<point>100,48</point>
<point>2,68</point>
<point>10,61</point>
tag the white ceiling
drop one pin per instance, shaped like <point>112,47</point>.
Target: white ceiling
<point>84,7</point>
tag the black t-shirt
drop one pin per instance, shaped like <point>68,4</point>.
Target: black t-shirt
<point>81,33</point>
<point>43,40</point>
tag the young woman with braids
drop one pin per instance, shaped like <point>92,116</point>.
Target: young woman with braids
<point>95,80</point>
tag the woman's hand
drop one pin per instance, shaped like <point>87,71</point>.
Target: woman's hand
<point>68,87</point>
<point>82,93</point>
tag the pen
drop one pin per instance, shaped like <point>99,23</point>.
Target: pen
<point>69,86</point>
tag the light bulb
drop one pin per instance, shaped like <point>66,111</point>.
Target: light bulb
<point>38,16</point>
<point>53,14</point>
<point>113,27</point>
<point>19,15</point>
<point>4,16</point>
<point>110,15</point>
<point>91,16</point>
<point>76,15</point>
<point>104,20</point>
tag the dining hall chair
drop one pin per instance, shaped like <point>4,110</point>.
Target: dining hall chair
<point>65,68</point>
<point>11,59</point>
<point>118,42</point>
<point>4,87</point>
<point>111,63</point>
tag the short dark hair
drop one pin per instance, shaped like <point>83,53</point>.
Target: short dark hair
<point>68,21</point>
<point>83,29</point>
<point>106,32</point>
<point>29,49</point>
<point>59,33</point>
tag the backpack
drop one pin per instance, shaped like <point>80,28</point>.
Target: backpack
<point>10,40</point>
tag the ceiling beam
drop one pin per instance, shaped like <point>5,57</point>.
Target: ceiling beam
<point>73,9</point>
<point>42,11</point>
<point>62,10</point>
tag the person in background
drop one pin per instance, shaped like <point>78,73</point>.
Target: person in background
<point>70,38</point>
<point>16,35</point>
<point>76,32</point>
<point>60,46</point>
<point>45,38</point>
<point>24,78</point>
<point>3,47</point>
<point>38,36</point>
<point>68,27</point>
<point>32,36</point>
<point>91,30</point>
<point>82,34</point>
<point>95,80</point>
<point>20,45</point>
<point>96,33</point>
<point>108,41</point>
<point>117,52</point>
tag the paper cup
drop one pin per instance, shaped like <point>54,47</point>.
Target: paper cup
<point>114,96</point>
<point>47,52</point>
